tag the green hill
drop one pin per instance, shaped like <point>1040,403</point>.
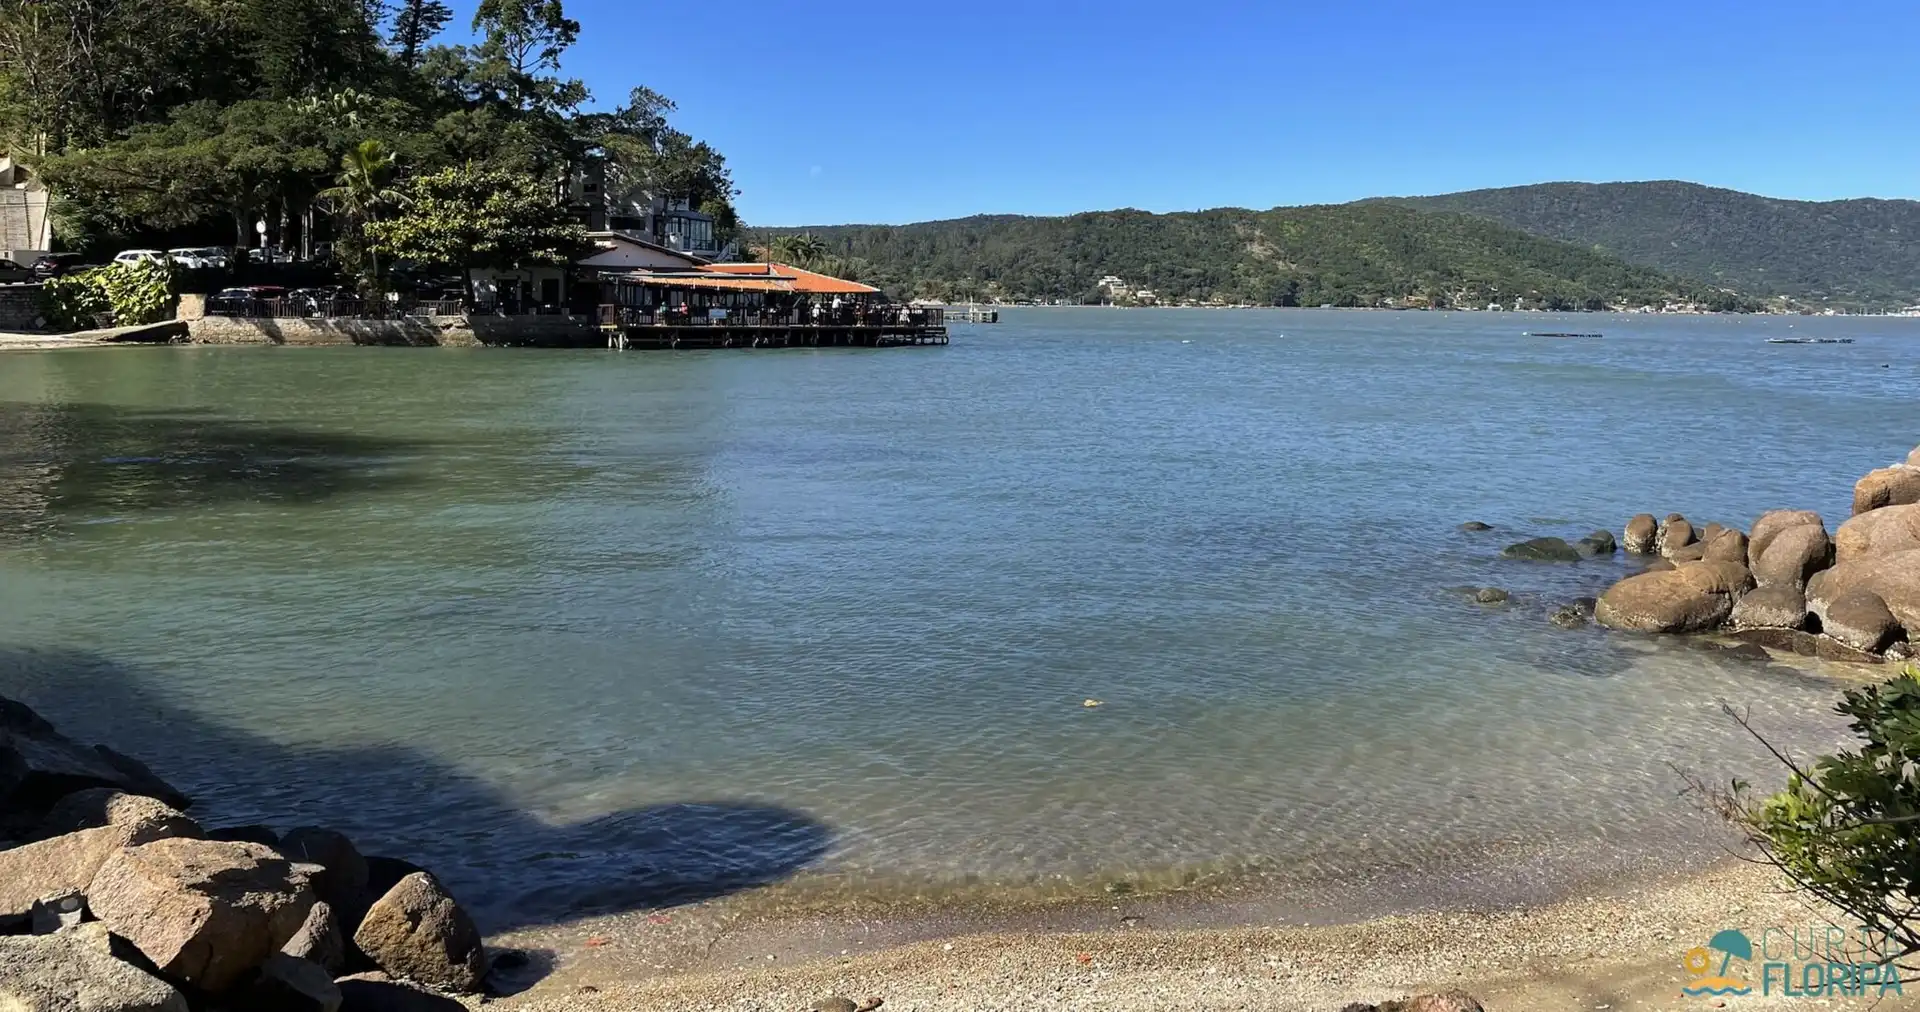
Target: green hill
<point>1850,252</point>
<point>1362,254</point>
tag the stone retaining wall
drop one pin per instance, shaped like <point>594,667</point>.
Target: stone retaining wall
<point>19,307</point>
<point>439,331</point>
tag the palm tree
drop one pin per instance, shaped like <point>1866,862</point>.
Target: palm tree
<point>801,249</point>
<point>361,190</point>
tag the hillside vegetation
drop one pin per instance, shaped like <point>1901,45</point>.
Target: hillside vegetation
<point>1847,252</point>
<point>1344,255</point>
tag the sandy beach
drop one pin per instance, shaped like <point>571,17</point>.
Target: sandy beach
<point>1618,951</point>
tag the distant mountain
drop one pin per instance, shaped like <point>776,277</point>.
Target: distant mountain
<point>1863,252</point>
<point>1364,254</point>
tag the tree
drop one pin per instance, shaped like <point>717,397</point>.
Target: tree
<point>1847,830</point>
<point>360,192</point>
<point>477,217</point>
<point>801,249</point>
<point>414,25</point>
<point>520,39</point>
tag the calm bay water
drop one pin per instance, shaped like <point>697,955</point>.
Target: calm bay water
<point>586,630</point>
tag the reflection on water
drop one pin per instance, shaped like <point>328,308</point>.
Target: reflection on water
<point>643,626</point>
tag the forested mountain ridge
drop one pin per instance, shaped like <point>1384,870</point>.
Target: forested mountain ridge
<point>1848,252</point>
<point>1364,254</point>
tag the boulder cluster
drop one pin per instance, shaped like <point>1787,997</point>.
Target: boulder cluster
<point>1851,595</point>
<point>112,899</point>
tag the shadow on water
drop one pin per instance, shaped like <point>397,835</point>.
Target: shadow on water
<point>69,462</point>
<point>511,868</point>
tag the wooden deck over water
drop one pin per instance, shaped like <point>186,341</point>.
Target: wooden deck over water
<point>629,330</point>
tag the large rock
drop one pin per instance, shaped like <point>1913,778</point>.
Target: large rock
<point>287,984</point>
<point>206,912</point>
<point>1888,486</point>
<point>1775,606</point>
<point>319,940</point>
<point>344,882</point>
<point>1877,532</point>
<point>1689,598</point>
<point>108,806</point>
<point>1860,619</point>
<point>377,992</point>
<point>1727,546</point>
<point>1687,553</point>
<point>1790,555</point>
<point>39,766</point>
<point>1895,577</point>
<point>1675,533</point>
<point>136,778</point>
<point>418,932</point>
<point>1642,534</point>
<point>66,864</point>
<point>77,970</point>
<point>1597,544</point>
<point>1449,1001</point>
<point>1542,550</point>
<point>1772,522</point>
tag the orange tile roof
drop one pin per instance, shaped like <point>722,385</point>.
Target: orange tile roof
<point>804,281</point>
<point>699,281</point>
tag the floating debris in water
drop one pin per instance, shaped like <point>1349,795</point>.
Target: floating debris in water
<point>1091,703</point>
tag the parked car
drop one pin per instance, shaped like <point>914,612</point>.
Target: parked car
<point>137,256</point>
<point>215,256</point>
<point>190,257</point>
<point>320,301</point>
<point>12,273</point>
<point>52,265</point>
<point>244,301</point>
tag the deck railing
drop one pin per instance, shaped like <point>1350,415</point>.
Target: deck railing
<point>335,308</point>
<point>876,316</point>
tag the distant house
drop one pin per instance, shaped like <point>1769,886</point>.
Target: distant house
<point>668,221</point>
<point>26,230</point>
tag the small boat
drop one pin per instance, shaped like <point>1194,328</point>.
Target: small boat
<point>1809,340</point>
<point>1554,333</point>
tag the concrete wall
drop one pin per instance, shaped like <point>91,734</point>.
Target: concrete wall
<point>440,331</point>
<point>19,307</point>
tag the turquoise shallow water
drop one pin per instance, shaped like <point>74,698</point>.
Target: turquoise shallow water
<point>587,630</point>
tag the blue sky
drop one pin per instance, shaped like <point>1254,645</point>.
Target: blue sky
<point>863,111</point>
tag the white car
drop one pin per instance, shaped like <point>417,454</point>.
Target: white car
<point>140,256</point>
<point>192,259</point>
<point>214,256</point>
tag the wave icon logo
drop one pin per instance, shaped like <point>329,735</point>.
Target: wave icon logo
<point>1706,979</point>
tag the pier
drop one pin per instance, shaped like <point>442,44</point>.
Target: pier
<point>626,328</point>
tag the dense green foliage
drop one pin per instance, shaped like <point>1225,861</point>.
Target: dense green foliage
<point>132,293</point>
<point>1848,830</point>
<point>468,216</point>
<point>1846,252</point>
<point>202,117</point>
<point>1344,255</point>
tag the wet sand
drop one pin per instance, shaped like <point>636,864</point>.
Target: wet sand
<point>1617,950</point>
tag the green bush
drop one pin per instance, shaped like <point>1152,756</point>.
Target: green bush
<point>131,294</point>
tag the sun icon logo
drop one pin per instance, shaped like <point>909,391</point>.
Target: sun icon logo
<point>1707,979</point>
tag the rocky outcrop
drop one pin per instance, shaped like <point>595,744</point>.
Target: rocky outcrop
<point>1642,534</point>
<point>1449,1001</point>
<point>342,882</point>
<point>39,765</point>
<point>1689,598</point>
<point>1726,545</point>
<point>1790,556</point>
<point>77,970</point>
<point>1879,532</point>
<point>1895,577</point>
<point>66,864</point>
<point>319,940</point>
<point>1596,545</point>
<point>1860,619</point>
<point>1772,522</point>
<point>1542,550</point>
<point>378,992</point>
<point>1775,606</point>
<point>1676,533</point>
<point>205,912</point>
<point>1898,485</point>
<point>416,931</point>
<point>286,984</point>
<point>106,806</point>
